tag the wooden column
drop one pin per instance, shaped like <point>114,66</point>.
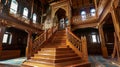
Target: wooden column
<point>2,30</point>
<point>84,48</point>
<point>102,39</point>
<point>116,23</point>
<point>29,45</point>
<point>96,7</point>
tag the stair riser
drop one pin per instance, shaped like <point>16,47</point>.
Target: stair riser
<point>55,57</point>
<point>65,60</point>
<point>51,54</point>
<point>56,61</point>
<point>50,49</point>
<point>57,52</point>
<point>23,65</point>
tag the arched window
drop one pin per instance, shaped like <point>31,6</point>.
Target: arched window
<point>25,12</point>
<point>34,18</point>
<point>13,7</point>
<point>92,12</point>
<point>83,15</point>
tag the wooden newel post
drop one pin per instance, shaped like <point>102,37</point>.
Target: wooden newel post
<point>29,46</point>
<point>84,48</point>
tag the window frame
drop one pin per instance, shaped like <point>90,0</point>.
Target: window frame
<point>34,16</point>
<point>92,12</point>
<point>9,38</point>
<point>14,7</point>
<point>83,15</point>
<point>25,12</point>
<point>5,39</point>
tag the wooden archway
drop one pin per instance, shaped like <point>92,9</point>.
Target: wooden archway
<point>63,5</point>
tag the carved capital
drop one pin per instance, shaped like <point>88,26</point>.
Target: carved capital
<point>3,22</point>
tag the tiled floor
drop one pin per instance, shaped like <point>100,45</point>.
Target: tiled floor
<point>97,61</point>
<point>16,61</point>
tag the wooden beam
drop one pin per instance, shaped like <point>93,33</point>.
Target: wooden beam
<point>115,22</point>
<point>96,7</point>
<point>32,7</point>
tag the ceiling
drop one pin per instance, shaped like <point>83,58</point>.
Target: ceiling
<point>75,3</point>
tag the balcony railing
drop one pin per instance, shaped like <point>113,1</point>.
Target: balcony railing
<point>80,20</point>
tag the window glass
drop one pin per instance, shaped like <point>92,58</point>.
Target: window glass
<point>13,7</point>
<point>25,13</point>
<point>5,38</point>
<point>92,12</point>
<point>94,38</point>
<point>10,39</point>
<point>83,15</point>
<point>34,18</point>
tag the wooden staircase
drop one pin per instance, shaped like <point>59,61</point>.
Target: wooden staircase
<point>55,53</point>
<point>58,40</point>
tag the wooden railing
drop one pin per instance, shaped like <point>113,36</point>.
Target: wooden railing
<point>38,42</point>
<point>77,44</point>
<point>79,20</point>
<point>42,38</point>
<point>116,50</point>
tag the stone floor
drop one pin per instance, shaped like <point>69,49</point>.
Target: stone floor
<point>16,62</point>
<point>97,61</point>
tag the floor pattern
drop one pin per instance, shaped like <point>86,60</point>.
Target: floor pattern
<point>97,61</point>
<point>16,61</point>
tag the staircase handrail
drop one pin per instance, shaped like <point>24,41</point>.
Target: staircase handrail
<point>77,44</point>
<point>42,38</point>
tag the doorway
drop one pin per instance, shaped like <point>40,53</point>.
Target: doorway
<point>108,29</point>
<point>62,19</point>
<point>14,43</point>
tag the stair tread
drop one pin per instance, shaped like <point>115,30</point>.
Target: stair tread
<point>36,64</point>
<point>56,54</point>
<point>65,64</point>
<point>50,51</point>
<point>54,59</point>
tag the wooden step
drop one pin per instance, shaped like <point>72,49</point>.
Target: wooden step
<point>76,63</point>
<point>55,49</point>
<point>55,60</point>
<point>56,56</point>
<point>56,53</point>
<point>32,63</point>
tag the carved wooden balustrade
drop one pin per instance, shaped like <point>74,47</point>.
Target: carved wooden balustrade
<point>42,38</point>
<point>38,42</point>
<point>79,20</point>
<point>78,45</point>
<point>116,50</point>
